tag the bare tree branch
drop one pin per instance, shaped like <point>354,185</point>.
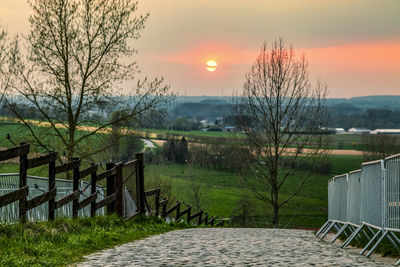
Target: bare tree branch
<point>280,114</point>
<point>79,52</point>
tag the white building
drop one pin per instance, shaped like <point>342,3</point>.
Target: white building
<point>386,131</point>
<point>359,130</point>
<point>333,130</point>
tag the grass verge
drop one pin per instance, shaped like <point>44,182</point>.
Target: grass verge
<point>66,241</point>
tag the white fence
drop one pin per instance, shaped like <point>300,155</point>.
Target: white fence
<point>366,199</point>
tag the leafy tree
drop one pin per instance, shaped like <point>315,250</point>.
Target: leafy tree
<point>176,151</point>
<point>169,150</point>
<point>185,124</point>
<point>181,151</point>
<point>79,59</point>
<point>287,112</point>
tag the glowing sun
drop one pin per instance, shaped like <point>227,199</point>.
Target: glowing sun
<point>211,65</point>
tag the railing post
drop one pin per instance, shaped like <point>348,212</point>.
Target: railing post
<point>110,188</point>
<point>93,181</point>
<point>200,218</point>
<point>52,185</point>
<point>164,210</point>
<point>157,204</point>
<point>140,182</point>
<point>23,172</point>
<point>75,186</point>
<point>178,213</point>
<point>119,189</point>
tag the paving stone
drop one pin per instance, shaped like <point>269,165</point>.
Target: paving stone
<point>229,247</point>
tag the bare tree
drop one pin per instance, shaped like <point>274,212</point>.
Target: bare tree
<point>4,60</point>
<point>280,114</point>
<point>79,60</point>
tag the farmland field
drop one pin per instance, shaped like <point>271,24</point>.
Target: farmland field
<point>221,193</point>
<point>224,195</point>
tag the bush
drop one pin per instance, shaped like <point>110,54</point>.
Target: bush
<point>214,129</point>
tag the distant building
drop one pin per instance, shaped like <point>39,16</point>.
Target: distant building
<point>386,131</point>
<point>333,130</point>
<point>359,130</point>
<point>229,129</point>
<point>207,123</point>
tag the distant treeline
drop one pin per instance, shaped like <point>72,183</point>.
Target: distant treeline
<point>347,116</point>
<point>371,112</point>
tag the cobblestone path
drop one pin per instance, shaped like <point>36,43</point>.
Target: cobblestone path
<point>229,247</point>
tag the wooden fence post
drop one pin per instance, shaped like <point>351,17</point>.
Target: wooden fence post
<point>93,181</point>
<point>178,213</point>
<point>110,188</point>
<point>52,185</point>
<point>23,172</point>
<point>75,186</point>
<point>157,204</point>
<point>164,209</point>
<point>119,189</point>
<point>140,182</point>
<point>200,218</point>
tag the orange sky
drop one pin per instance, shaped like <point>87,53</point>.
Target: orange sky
<point>352,45</point>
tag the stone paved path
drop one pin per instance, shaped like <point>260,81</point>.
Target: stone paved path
<point>229,247</point>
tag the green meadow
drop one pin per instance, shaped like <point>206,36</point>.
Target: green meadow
<point>222,193</point>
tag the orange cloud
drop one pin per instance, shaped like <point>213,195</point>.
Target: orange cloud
<point>369,58</point>
<point>353,69</point>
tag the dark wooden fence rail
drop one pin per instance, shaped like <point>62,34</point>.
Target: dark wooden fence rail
<point>114,184</point>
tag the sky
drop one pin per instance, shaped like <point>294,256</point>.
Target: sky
<point>352,45</point>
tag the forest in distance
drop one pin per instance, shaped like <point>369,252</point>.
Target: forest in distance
<point>186,112</point>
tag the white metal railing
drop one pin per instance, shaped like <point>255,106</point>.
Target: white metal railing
<point>370,198</point>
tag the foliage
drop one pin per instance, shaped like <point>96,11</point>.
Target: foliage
<point>201,110</point>
<point>154,119</point>
<point>65,241</point>
<point>185,124</point>
<point>219,155</point>
<point>176,151</point>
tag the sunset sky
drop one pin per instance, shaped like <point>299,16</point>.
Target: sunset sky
<point>352,45</point>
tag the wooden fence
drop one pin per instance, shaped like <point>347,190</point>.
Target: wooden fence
<point>114,185</point>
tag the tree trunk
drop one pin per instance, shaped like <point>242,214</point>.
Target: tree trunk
<point>275,216</point>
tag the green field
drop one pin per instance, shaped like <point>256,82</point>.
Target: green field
<point>222,193</point>
<point>337,141</point>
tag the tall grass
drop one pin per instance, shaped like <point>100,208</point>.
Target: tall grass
<point>66,241</point>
